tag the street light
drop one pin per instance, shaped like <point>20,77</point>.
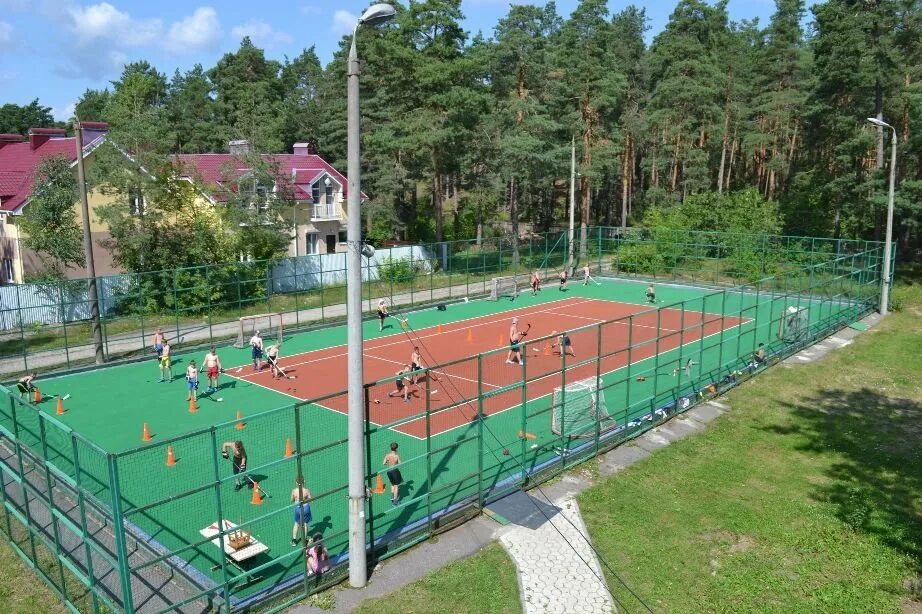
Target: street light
<point>885,286</point>
<point>374,15</point>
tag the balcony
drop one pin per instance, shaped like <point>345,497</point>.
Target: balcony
<point>325,213</point>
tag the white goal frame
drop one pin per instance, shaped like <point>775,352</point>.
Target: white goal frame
<point>597,412</point>
<point>268,324</point>
<point>503,286</point>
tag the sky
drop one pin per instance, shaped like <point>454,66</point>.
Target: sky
<point>54,50</point>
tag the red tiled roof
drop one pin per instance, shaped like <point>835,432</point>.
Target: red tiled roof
<point>18,162</point>
<point>219,171</point>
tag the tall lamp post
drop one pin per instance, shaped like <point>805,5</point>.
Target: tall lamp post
<point>374,15</point>
<point>885,286</point>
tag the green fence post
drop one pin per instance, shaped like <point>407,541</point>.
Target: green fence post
<point>50,501</point>
<point>321,284</point>
<point>480,493</point>
<point>598,385</point>
<point>121,550</point>
<point>220,515</point>
<point>599,233</point>
<point>429,479</point>
<point>176,303</point>
<point>22,331</point>
<point>81,506</point>
<point>524,419</point>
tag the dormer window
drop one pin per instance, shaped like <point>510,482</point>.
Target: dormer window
<point>315,193</point>
<point>328,190</point>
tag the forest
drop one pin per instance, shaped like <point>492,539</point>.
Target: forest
<point>708,124</point>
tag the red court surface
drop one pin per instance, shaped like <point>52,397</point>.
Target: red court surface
<point>454,388</point>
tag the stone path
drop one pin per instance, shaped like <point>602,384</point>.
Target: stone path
<point>558,570</point>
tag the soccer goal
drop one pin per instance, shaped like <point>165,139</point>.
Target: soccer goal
<point>577,407</point>
<point>503,286</point>
<point>269,326</point>
<point>795,324</point>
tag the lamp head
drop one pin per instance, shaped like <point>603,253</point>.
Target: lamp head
<point>376,14</point>
<point>879,123</point>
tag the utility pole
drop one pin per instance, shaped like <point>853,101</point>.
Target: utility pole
<point>88,247</point>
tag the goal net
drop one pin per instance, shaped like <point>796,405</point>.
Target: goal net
<point>269,326</point>
<point>577,407</point>
<point>795,324</point>
<point>503,286</point>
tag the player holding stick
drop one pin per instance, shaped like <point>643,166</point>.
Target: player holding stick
<point>272,357</point>
<point>191,380</point>
<point>212,364</point>
<point>564,343</point>
<point>563,280</point>
<point>535,283</point>
<point>651,294</point>
<point>515,337</point>
<point>416,363</point>
<point>26,384</point>
<point>403,385</point>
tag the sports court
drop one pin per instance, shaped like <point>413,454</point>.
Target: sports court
<point>645,357</point>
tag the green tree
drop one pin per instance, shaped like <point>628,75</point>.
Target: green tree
<point>18,119</point>
<point>190,113</point>
<point>49,219</point>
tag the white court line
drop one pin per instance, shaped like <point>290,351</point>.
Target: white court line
<point>492,320</point>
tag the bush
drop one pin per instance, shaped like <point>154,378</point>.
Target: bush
<point>401,270</point>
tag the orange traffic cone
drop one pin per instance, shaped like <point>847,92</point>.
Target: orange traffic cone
<point>60,410</point>
<point>470,336</point>
<point>547,349</point>
<point>239,425</point>
<point>257,495</point>
<point>379,486</point>
<point>170,457</point>
<point>500,343</point>
<point>440,328</point>
<point>288,451</point>
<point>145,436</point>
<point>37,397</point>
<point>193,407</point>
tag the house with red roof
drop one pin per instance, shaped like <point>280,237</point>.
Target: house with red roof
<point>318,192</point>
<point>19,159</point>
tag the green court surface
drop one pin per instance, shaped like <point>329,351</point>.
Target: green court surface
<point>170,505</point>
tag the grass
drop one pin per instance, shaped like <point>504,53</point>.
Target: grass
<point>485,582</point>
<point>21,591</point>
<point>806,497</point>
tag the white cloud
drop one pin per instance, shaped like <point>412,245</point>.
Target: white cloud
<point>7,42</point>
<point>200,30</point>
<point>343,22</point>
<point>311,10</point>
<point>65,113</point>
<point>261,34</point>
<point>104,22</point>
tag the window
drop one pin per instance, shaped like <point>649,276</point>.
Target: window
<point>329,192</point>
<point>315,193</point>
<point>342,236</point>
<point>8,270</point>
<point>311,238</point>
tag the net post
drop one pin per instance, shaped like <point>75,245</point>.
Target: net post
<point>480,493</point>
<point>48,485</point>
<point>428,451</point>
<point>563,403</point>
<point>598,382</point>
<point>523,421</point>
<point>121,549</point>
<point>208,299</point>
<point>176,301</point>
<point>219,510</point>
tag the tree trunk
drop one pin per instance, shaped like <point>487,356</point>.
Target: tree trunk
<point>723,154</point>
<point>438,203</point>
<point>733,149</point>
<point>675,161</point>
<point>585,202</point>
<point>514,220</point>
<point>625,181</point>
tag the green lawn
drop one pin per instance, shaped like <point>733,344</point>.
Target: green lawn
<point>485,582</point>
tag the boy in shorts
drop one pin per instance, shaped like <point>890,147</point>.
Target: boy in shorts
<point>212,364</point>
<point>256,344</point>
<point>416,363</point>
<point>563,280</point>
<point>535,283</point>
<point>272,357</point>
<point>26,384</point>
<point>403,385</point>
<point>157,342</point>
<point>191,380</point>
<point>166,362</point>
<point>651,294</point>
<point>564,344</point>
<point>382,313</point>
<point>392,459</point>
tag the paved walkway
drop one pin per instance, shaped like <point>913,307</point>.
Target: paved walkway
<point>558,569</point>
